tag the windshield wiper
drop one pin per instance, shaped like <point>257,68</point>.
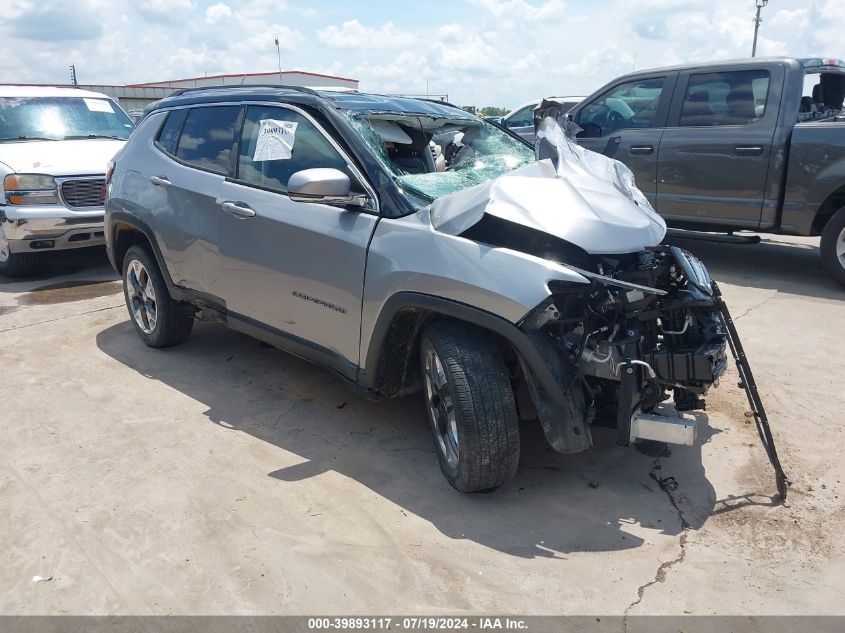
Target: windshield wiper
<point>26,138</point>
<point>78,136</point>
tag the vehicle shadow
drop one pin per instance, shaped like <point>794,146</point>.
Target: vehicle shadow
<point>602,500</point>
<point>776,263</point>
<point>80,266</point>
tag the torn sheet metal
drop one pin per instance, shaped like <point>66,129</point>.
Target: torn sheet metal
<point>275,140</point>
<point>582,197</point>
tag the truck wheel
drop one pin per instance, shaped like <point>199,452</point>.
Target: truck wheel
<point>833,246</point>
<point>159,320</point>
<point>15,264</point>
<point>470,405</point>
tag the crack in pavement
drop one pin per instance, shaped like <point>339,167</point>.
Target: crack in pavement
<point>69,316</point>
<point>759,305</point>
<point>667,485</point>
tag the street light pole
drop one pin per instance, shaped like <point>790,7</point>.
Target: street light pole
<point>757,21</point>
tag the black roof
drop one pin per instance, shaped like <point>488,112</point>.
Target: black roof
<point>353,101</point>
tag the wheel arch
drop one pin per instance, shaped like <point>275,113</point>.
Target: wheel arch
<point>391,363</point>
<point>126,230</point>
<point>828,209</point>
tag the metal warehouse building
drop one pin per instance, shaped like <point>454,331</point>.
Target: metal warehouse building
<point>136,96</point>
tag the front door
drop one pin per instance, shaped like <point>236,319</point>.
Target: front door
<point>294,268</point>
<point>626,122</point>
<point>716,149</point>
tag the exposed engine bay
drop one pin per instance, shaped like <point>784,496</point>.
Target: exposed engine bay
<point>644,330</point>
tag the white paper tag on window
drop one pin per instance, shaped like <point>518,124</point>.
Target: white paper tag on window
<point>98,105</point>
<point>275,140</point>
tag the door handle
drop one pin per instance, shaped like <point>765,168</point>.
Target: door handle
<point>748,150</point>
<point>238,209</point>
<point>160,181</point>
<point>638,150</point>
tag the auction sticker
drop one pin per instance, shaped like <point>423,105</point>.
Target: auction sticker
<point>98,105</point>
<point>275,140</point>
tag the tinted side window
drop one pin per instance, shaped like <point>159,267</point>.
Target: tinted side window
<point>522,118</point>
<point>730,98</point>
<point>296,144</point>
<point>169,132</point>
<point>629,105</point>
<point>208,136</point>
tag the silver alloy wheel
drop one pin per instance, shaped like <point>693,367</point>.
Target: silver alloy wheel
<point>141,296</point>
<point>840,248</point>
<point>4,246</point>
<point>441,410</point>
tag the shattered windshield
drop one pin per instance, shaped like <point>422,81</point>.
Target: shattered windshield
<point>435,156</point>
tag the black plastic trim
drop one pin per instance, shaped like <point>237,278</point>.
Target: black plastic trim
<point>292,344</point>
<point>522,345</point>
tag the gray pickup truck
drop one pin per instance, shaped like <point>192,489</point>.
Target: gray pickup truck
<point>755,145</point>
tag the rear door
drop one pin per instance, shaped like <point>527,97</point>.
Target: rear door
<point>183,187</point>
<point>717,147</point>
<point>626,122</point>
<point>295,269</point>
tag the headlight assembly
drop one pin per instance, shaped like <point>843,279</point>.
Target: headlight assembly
<point>694,269</point>
<point>30,189</point>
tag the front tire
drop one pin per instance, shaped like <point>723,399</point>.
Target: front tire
<point>470,406</point>
<point>833,246</point>
<point>15,264</point>
<point>159,320</point>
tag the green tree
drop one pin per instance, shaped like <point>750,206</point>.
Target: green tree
<point>493,111</point>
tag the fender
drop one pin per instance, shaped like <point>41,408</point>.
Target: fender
<point>529,355</point>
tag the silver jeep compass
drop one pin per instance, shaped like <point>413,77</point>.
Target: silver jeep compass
<point>408,245</point>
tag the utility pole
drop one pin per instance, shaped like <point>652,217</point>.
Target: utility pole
<point>279,56</point>
<point>757,21</point>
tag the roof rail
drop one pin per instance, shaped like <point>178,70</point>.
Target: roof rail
<point>438,101</point>
<point>200,88</point>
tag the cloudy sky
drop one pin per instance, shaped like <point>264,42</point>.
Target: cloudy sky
<point>480,52</point>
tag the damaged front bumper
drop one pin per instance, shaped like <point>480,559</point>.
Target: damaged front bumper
<point>650,326</point>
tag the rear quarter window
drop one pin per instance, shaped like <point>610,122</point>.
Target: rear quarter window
<point>169,132</point>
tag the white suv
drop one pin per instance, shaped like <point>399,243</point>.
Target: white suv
<point>55,145</point>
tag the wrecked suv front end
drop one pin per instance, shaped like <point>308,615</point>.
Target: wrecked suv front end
<point>618,323</point>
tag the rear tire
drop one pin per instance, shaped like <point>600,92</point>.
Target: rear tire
<point>833,246</point>
<point>470,406</point>
<point>159,320</point>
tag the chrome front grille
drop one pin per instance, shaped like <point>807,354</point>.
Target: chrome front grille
<point>83,193</point>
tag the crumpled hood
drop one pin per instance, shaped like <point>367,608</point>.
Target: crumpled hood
<point>60,158</point>
<point>588,199</point>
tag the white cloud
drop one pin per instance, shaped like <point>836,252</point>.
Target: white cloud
<point>486,52</point>
<point>451,32</point>
<point>353,34</point>
<point>166,11</point>
<point>521,10</point>
<point>794,19</point>
<point>217,12</point>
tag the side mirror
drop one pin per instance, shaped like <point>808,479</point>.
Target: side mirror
<point>323,186</point>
